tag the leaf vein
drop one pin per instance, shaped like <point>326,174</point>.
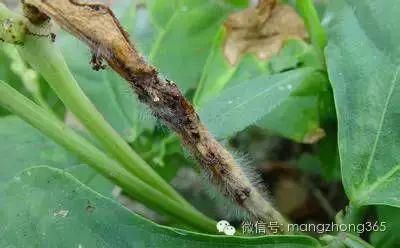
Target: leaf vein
<point>379,182</point>
<point>378,133</point>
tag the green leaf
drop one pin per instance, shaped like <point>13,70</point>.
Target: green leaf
<point>300,117</point>
<point>363,64</point>
<point>345,240</point>
<point>389,222</point>
<point>46,207</point>
<point>216,72</point>
<point>22,147</point>
<point>296,118</point>
<point>163,11</point>
<point>242,105</point>
<point>295,53</point>
<point>186,40</point>
<point>25,147</point>
<point>108,91</point>
<point>144,32</point>
<point>164,153</point>
<point>329,154</point>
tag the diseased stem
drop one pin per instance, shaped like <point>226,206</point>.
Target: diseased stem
<point>63,135</point>
<point>46,59</point>
<point>96,25</point>
<point>12,28</point>
<point>43,56</point>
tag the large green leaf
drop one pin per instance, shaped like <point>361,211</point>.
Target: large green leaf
<point>363,60</point>
<point>244,104</point>
<point>188,31</point>
<point>218,73</point>
<point>45,207</point>
<point>296,118</point>
<point>22,146</point>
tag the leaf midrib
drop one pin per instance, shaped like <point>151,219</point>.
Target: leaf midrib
<point>266,90</point>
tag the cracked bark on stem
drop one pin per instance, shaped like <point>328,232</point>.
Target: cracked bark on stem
<point>97,26</point>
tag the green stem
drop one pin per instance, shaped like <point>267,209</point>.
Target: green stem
<point>63,135</point>
<point>353,214</point>
<point>28,76</point>
<point>45,58</point>
<point>313,24</point>
<point>38,98</point>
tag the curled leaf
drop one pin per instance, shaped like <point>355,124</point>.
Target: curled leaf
<point>262,30</point>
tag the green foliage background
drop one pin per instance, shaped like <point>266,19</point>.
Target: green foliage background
<point>293,95</point>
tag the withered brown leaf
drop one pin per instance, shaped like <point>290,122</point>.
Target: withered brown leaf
<point>261,30</point>
<point>96,25</point>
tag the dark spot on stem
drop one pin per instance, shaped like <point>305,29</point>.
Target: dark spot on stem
<point>241,195</point>
<point>53,37</point>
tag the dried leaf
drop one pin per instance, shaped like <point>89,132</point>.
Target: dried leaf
<point>261,30</point>
<point>96,25</point>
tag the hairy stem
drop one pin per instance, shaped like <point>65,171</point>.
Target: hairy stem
<point>63,135</point>
<point>96,25</point>
<point>45,58</point>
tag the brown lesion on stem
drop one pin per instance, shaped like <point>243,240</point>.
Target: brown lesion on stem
<point>97,26</point>
<point>97,62</point>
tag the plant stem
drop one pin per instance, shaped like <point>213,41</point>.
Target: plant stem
<point>105,35</point>
<point>12,26</point>
<point>63,135</point>
<point>45,58</point>
<point>353,214</point>
<point>313,24</point>
<point>28,76</point>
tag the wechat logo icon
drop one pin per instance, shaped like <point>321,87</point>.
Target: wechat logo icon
<point>225,227</point>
